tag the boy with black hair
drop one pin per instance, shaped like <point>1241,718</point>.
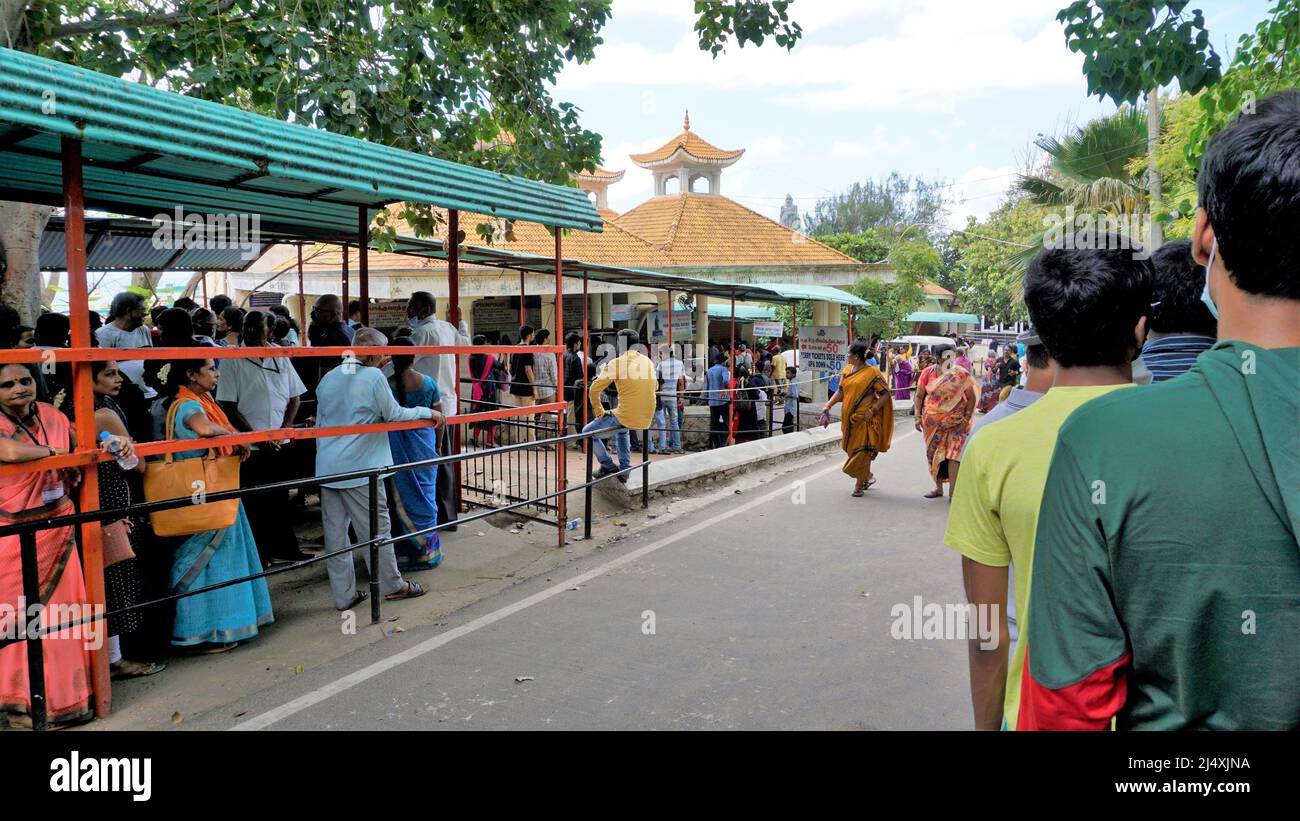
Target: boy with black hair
<point>1166,561</point>
<point>1181,327</point>
<point>1089,303</point>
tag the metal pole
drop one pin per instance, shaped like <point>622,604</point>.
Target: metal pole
<point>374,548</point>
<point>523,316</point>
<point>731,367</point>
<point>302,298</point>
<point>645,469</point>
<point>586,519</point>
<point>35,647</point>
<point>561,459</point>
<point>798,374</point>
<point>74,233</point>
<point>363,262</point>
<point>586,363</point>
<point>453,316</point>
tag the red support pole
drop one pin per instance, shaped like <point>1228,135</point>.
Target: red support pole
<point>523,316</point>
<point>74,234</point>
<point>561,457</point>
<point>345,283</point>
<point>731,366</point>
<point>453,316</point>
<point>363,262</point>
<point>302,298</point>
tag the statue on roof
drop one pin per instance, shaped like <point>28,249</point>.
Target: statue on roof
<point>790,214</point>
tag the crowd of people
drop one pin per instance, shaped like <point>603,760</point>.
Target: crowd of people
<point>200,397</point>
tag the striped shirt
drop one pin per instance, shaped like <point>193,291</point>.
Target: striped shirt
<point>1173,355</point>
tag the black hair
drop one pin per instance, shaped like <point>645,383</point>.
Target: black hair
<point>176,328</point>
<point>1177,289</point>
<point>541,336</point>
<point>354,307</point>
<point>234,318</point>
<point>1249,186</point>
<point>177,376</point>
<point>156,311</point>
<point>1037,356</point>
<point>219,303</point>
<point>96,322</point>
<point>52,330</point>
<point>525,331</point>
<point>124,303</point>
<point>401,363</point>
<point>629,336</point>
<point>571,339</point>
<point>255,318</point>
<point>1085,301</point>
<point>281,328</point>
<point>283,312</point>
<point>185,304</point>
<point>205,323</point>
<point>859,349</point>
<point>479,339</point>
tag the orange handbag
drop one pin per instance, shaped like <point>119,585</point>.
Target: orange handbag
<point>195,478</point>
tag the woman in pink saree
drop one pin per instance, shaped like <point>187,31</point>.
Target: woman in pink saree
<point>947,403</point>
<point>32,430</point>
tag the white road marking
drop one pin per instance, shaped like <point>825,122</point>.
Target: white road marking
<point>261,722</point>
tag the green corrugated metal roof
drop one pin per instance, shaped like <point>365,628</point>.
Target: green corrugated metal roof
<point>148,150</point>
<point>943,316</point>
<point>743,313</point>
<point>816,293</point>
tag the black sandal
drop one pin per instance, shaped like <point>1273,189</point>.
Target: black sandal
<point>413,591</point>
<point>361,596</point>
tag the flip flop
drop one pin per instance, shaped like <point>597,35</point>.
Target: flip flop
<point>934,494</point>
<point>413,590</point>
<point>150,669</point>
<point>857,491</point>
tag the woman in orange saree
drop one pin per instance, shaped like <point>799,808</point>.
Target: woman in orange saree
<point>867,421</point>
<point>949,405</point>
<point>32,430</point>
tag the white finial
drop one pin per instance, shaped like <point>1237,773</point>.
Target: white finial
<point>687,123</point>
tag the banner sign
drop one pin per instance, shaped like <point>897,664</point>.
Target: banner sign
<point>621,313</point>
<point>683,327</point>
<point>823,348</point>
<point>769,329</point>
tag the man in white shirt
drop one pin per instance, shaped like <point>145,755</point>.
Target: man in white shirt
<point>426,329</point>
<point>126,329</point>
<point>672,373</point>
<point>263,394</point>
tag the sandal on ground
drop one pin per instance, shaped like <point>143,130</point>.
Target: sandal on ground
<point>857,490</point>
<point>870,482</point>
<point>361,596</point>
<point>412,590</point>
<point>140,670</point>
<point>934,494</point>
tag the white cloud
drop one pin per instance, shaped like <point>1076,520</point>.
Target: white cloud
<point>935,53</point>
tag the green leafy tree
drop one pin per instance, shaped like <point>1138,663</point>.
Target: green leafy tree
<point>1130,49</point>
<point>915,262</point>
<point>893,204</point>
<point>442,77</point>
<point>1266,61</point>
<point>871,245</point>
<point>987,276</point>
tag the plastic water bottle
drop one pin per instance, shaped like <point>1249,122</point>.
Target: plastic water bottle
<point>115,447</point>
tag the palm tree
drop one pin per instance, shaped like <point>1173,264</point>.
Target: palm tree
<point>1087,171</point>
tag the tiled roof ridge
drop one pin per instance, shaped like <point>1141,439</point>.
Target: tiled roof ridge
<point>784,227</point>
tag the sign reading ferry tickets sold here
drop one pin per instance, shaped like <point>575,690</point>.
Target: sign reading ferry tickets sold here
<point>823,348</point>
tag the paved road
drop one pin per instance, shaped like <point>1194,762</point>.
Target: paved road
<point>759,621</point>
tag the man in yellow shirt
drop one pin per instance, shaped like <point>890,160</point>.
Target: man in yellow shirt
<point>1089,302</point>
<point>633,375</point>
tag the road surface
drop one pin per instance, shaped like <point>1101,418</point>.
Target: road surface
<point>768,609</point>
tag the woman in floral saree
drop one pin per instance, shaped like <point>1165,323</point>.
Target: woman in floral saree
<point>867,420</point>
<point>31,430</point>
<point>947,400</point>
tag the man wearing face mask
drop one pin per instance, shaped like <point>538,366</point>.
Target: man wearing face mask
<point>427,329</point>
<point>1181,327</point>
<point>1089,306</point>
<point>1166,566</point>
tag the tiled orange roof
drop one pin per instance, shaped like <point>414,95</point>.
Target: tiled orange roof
<point>614,246</point>
<point>600,175</point>
<point>692,144</point>
<point>708,229</point>
<point>935,289</point>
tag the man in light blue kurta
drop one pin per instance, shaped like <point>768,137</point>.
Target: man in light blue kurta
<point>357,393</point>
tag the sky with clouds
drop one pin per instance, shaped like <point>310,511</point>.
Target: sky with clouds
<point>949,89</point>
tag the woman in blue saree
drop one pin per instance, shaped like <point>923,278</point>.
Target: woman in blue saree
<point>412,494</point>
<point>218,620</point>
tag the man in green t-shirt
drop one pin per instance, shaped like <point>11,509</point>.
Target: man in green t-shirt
<point>1089,301</point>
<point>1166,580</point>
